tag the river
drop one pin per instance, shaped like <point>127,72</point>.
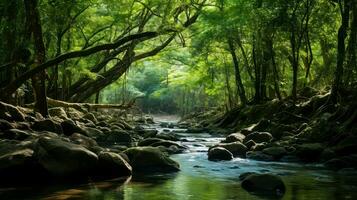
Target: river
<point>201,179</point>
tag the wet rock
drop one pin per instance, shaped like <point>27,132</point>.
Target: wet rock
<point>69,127</point>
<point>167,136</point>
<point>10,112</point>
<point>309,152</point>
<point>258,155</point>
<point>236,148</point>
<point>219,153</point>
<point>235,137</point>
<point>93,133</point>
<point>259,146</point>
<point>276,152</point>
<point>149,141</point>
<point>62,158</point>
<point>83,140</point>
<point>197,130</point>
<point>150,160</point>
<point>250,144</point>
<point>259,137</point>
<point>112,165</point>
<point>173,147</point>
<point>264,184</point>
<point>119,137</point>
<point>47,125</point>
<point>145,132</point>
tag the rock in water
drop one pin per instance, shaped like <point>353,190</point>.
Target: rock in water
<point>62,158</point>
<point>264,184</point>
<point>236,148</point>
<point>113,165</point>
<point>259,137</point>
<point>150,160</point>
<point>219,153</point>
<point>235,137</point>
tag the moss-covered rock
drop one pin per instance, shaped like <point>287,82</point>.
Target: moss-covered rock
<point>150,160</point>
<point>219,153</point>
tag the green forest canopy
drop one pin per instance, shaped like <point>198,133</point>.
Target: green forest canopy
<point>178,55</point>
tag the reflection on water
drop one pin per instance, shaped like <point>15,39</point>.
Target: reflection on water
<point>200,179</point>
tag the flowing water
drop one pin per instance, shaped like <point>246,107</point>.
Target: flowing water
<point>201,179</point>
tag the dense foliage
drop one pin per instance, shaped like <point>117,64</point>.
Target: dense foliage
<point>177,55</point>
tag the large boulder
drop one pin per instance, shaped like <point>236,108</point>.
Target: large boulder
<point>119,137</point>
<point>62,158</point>
<point>82,140</point>
<point>264,184</point>
<point>236,148</point>
<point>219,153</point>
<point>259,137</point>
<point>234,137</point>
<point>169,146</point>
<point>69,127</point>
<point>47,125</point>
<point>17,162</point>
<point>150,160</point>
<point>93,132</point>
<point>112,165</point>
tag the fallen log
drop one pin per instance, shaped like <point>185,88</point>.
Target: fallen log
<point>89,106</point>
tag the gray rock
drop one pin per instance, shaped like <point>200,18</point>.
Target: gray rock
<point>219,153</point>
<point>259,137</point>
<point>236,148</point>
<point>47,125</point>
<point>63,158</point>
<point>112,165</point>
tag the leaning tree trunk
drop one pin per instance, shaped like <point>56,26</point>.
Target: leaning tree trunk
<point>239,83</point>
<point>38,81</point>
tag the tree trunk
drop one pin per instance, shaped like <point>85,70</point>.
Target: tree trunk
<point>239,83</point>
<point>39,80</point>
<point>341,51</point>
<point>275,69</point>
<point>352,43</point>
